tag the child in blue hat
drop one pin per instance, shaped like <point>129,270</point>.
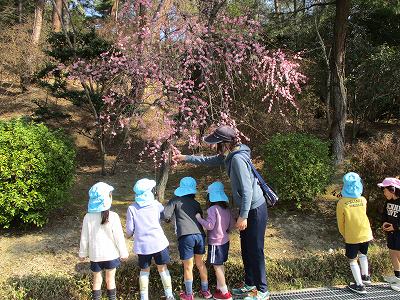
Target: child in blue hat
<point>102,239</point>
<point>191,236</point>
<point>354,226</point>
<point>143,223</point>
<point>218,223</point>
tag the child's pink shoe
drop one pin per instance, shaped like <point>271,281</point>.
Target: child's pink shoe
<point>206,294</point>
<point>184,296</point>
<point>218,295</point>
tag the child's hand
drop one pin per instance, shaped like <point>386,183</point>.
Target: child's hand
<point>198,216</point>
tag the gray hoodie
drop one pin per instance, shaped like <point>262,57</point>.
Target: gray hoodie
<point>246,192</point>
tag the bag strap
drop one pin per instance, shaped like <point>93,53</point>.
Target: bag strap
<point>255,172</point>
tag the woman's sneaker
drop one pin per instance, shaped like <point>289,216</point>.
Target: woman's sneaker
<point>395,286</point>
<point>257,295</point>
<point>218,295</point>
<point>205,294</point>
<point>366,280</point>
<point>391,279</point>
<point>360,289</point>
<point>243,290</point>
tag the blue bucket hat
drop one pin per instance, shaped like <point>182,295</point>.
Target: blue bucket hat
<point>352,185</point>
<point>187,186</point>
<point>99,197</point>
<point>216,192</point>
<point>143,191</point>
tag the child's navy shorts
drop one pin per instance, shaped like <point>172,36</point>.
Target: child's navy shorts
<point>353,249</point>
<point>97,266</point>
<point>217,254</point>
<point>160,258</point>
<point>191,244</point>
<point>393,240</point>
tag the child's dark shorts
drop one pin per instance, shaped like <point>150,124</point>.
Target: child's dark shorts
<point>353,249</point>
<point>393,240</point>
<point>191,244</point>
<point>160,258</point>
<point>97,266</point>
<point>217,254</point>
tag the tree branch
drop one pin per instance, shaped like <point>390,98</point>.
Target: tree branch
<point>305,8</point>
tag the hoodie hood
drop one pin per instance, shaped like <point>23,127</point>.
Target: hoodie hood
<point>241,150</point>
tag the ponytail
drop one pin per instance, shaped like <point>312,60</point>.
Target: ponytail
<point>104,216</point>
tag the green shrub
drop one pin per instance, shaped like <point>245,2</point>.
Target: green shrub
<point>373,161</point>
<point>298,166</point>
<point>36,170</point>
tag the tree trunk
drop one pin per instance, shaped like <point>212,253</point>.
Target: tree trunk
<point>37,25</point>
<point>328,76</point>
<point>20,11</point>
<point>102,153</point>
<point>276,4</point>
<point>164,174</point>
<point>66,16</point>
<point>57,12</point>
<point>338,89</point>
<point>355,117</point>
<point>114,10</point>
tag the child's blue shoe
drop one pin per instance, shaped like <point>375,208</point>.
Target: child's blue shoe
<point>243,290</point>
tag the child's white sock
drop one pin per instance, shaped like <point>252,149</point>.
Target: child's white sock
<point>363,264</point>
<point>223,289</point>
<point>204,286</point>
<point>166,281</point>
<point>355,269</point>
<point>144,285</point>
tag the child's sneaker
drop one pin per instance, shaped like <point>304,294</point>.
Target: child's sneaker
<point>366,280</point>
<point>391,279</point>
<point>243,290</point>
<point>395,286</point>
<point>218,295</point>
<point>205,294</point>
<point>257,295</point>
<point>184,296</point>
<point>360,289</point>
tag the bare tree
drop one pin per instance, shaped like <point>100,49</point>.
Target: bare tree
<point>338,89</point>
<point>57,11</point>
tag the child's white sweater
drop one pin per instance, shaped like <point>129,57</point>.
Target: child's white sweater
<point>102,242</point>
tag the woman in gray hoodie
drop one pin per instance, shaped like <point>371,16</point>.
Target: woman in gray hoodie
<point>249,198</point>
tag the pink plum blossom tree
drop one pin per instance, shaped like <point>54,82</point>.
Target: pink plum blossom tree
<point>186,66</point>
